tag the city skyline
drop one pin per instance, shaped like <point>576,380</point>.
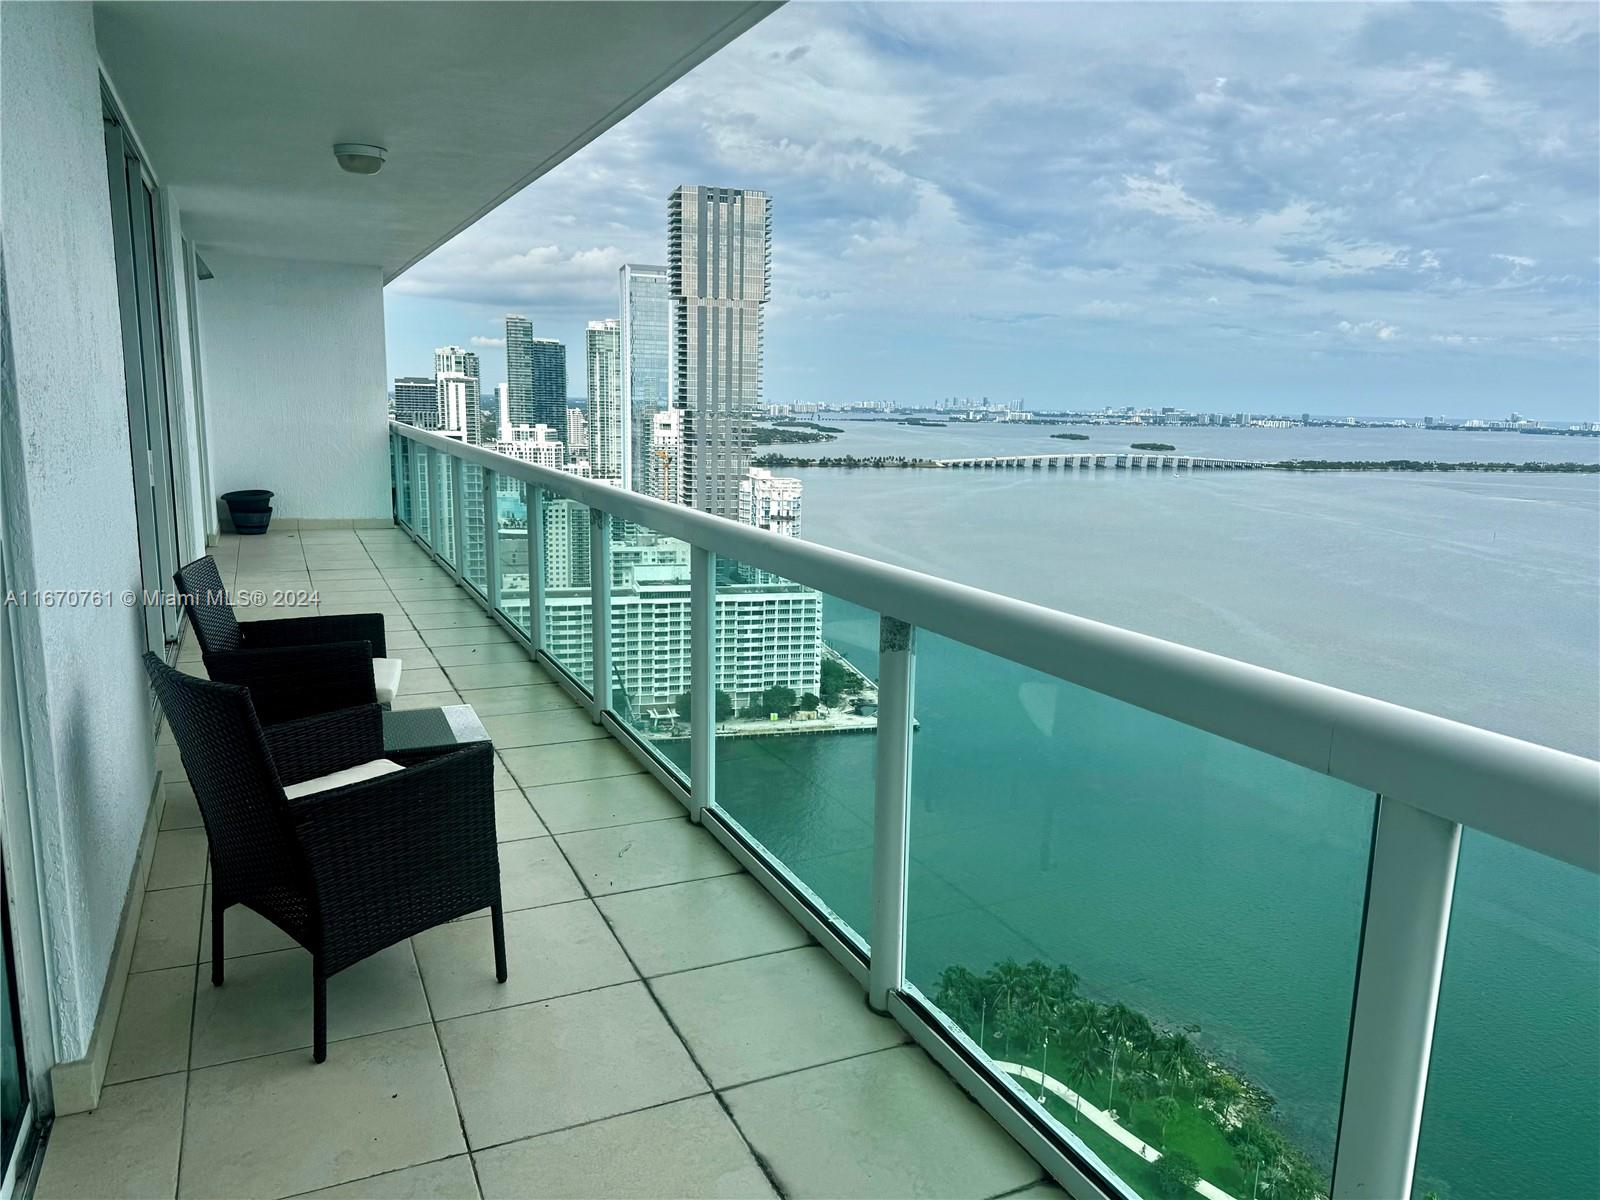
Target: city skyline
<point>1383,210</point>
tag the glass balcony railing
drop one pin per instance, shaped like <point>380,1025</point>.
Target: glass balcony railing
<point>1177,923</point>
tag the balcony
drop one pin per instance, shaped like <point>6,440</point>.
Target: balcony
<point>668,1029</point>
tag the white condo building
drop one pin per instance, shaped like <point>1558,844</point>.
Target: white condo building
<point>664,457</point>
<point>577,435</point>
<point>535,444</point>
<point>606,430</point>
<point>459,406</point>
<point>644,302</point>
<point>719,262</point>
<point>770,502</point>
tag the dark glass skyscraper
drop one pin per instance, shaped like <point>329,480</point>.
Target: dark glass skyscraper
<point>719,263</point>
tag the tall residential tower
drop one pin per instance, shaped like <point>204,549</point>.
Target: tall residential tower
<point>646,321</point>
<point>517,408</point>
<point>719,268</point>
<point>606,430</point>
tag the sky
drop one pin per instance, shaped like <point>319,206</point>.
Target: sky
<point>1387,209</point>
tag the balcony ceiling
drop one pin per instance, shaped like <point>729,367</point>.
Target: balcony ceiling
<point>238,106</point>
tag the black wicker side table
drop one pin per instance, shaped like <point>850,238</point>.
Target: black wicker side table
<point>432,728</point>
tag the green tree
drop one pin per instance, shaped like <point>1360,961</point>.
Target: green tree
<point>724,705</point>
<point>775,699</point>
<point>1165,1109</point>
<point>837,680</point>
<point>809,701</point>
<point>1176,1174</point>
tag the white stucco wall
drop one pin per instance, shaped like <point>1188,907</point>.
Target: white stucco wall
<point>295,394</point>
<point>68,488</point>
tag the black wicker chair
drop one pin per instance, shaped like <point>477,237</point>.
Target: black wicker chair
<point>294,667</point>
<point>348,870</point>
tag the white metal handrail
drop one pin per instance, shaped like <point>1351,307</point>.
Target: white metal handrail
<point>1535,796</point>
<point>1429,776</point>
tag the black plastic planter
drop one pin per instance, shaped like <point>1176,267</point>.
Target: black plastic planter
<point>250,510</point>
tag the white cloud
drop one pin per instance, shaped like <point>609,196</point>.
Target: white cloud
<point>1546,23</point>
<point>487,341</point>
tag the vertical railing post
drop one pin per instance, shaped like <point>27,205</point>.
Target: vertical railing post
<point>897,670</point>
<point>1409,892</point>
<point>702,680</point>
<point>491,542</point>
<point>535,507</point>
<point>600,608</point>
<point>458,507</point>
<point>394,474</point>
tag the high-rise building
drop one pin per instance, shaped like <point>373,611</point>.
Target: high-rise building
<point>502,404</point>
<point>453,360</point>
<point>770,502</point>
<point>516,405</point>
<point>719,268</point>
<point>459,406</point>
<point>601,349</point>
<point>646,320</point>
<point>548,397</point>
<point>664,457</point>
<point>535,444</point>
<point>416,401</point>
<point>577,427</point>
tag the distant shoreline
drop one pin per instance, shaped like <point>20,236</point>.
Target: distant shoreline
<point>900,462</point>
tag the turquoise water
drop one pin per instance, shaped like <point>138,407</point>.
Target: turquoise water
<point>1202,883</point>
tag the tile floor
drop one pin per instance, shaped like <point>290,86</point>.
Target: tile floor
<point>667,1029</point>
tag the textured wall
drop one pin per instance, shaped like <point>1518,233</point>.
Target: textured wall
<point>295,393</point>
<point>68,488</point>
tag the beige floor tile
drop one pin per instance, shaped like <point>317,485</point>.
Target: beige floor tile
<point>533,766</point>
<point>402,639</point>
<point>447,1179</point>
<point>406,700</point>
<point>623,857</point>
<point>264,1007</point>
<point>280,1124</point>
<point>438,600</point>
<point>597,803</point>
<point>243,932</point>
<point>545,1066</point>
<point>416,658</point>
<point>533,872</point>
<point>427,679</point>
<point>179,859</point>
<point>781,1012</point>
<point>153,1028</point>
<point>696,924</point>
<point>483,652</point>
<point>537,697</point>
<point>179,808</point>
<point>127,1147</point>
<point>688,1148</point>
<point>169,929</point>
<point>453,620</point>
<point>477,634</point>
<point>550,951</point>
<point>492,675</point>
<point>514,818</point>
<point>885,1124</point>
<point>542,728</point>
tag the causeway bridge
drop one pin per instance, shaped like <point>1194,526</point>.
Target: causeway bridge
<point>1127,461</point>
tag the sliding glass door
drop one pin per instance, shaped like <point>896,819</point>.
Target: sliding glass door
<point>136,230</point>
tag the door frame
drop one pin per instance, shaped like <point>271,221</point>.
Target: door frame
<point>19,851</point>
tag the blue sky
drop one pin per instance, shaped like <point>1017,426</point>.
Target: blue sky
<point>1341,208</point>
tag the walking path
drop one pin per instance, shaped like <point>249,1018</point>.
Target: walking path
<point>1105,1121</point>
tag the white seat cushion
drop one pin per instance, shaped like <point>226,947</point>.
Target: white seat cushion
<point>386,679</point>
<point>326,783</point>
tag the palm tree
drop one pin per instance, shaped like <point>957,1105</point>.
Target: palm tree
<point>1119,1022</point>
<point>1165,1109</point>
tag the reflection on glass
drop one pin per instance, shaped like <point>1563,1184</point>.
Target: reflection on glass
<point>511,550</point>
<point>420,504</point>
<point>13,1086</point>
<point>444,510</point>
<point>568,630</point>
<point>400,454</point>
<point>1512,1108</point>
<point>474,566</point>
<point>650,638</point>
<point>1153,929</point>
<point>796,730</point>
